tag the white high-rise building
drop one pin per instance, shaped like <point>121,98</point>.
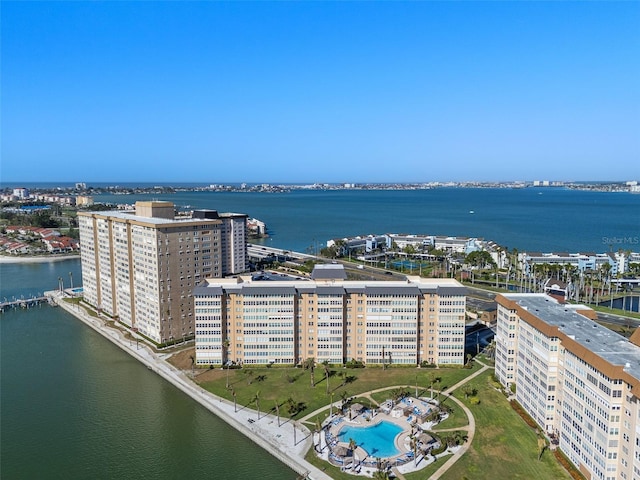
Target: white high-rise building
<point>578,380</point>
<point>141,267</point>
<point>234,248</point>
<point>21,193</point>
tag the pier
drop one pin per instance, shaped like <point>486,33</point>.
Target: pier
<point>22,302</point>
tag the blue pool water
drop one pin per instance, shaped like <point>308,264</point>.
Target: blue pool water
<point>377,440</point>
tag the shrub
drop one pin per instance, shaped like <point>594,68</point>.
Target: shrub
<point>353,363</point>
<point>426,364</point>
<point>568,466</point>
<point>474,401</point>
<point>525,416</point>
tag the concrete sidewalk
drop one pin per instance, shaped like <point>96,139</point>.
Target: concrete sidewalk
<point>281,441</point>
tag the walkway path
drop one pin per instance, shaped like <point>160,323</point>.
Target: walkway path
<point>287,441</point>
<point>471,428</point>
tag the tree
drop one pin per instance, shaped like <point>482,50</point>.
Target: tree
<point>325,365</point>
<point>414,449</point>
<point>480,259</point>
<point>225,354</point>
<point>410,250</point>
<point>318,430</point>
<point>233,392</point>
<point>490,350</point>
<point>381,472</point>
<point>73,233</point>
<point>433,379</point>
<point>469,390</point>
<point>310,363</point>
<point>352,447</point>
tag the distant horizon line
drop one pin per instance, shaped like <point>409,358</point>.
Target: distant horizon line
<point>296,183</point>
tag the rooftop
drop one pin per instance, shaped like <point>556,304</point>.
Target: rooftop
<point>322,285</point>
<point>608,345</point>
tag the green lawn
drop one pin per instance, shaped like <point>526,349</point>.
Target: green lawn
<point>456,419</point>
<point>278,384</point>
<point>503,446</point>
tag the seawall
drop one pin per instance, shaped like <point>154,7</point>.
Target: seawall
<point>279,441</point>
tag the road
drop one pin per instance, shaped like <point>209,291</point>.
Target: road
<point>478,298</point>
<point>353,270</point>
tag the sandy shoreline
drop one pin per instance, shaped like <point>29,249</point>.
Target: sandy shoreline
<point>37,259</point>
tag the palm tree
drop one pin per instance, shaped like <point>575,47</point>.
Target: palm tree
<point>352,446</point>
<point>318,430</point>
<point>433,379</point>
<point>310,363</point>
<point>233,392</point>
<point>381,472</point>
<point>225,353</point>
<point>490,350</point>
<point>414,449</point>
<point>325,365</point>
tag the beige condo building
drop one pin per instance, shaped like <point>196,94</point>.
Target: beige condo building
<point>331,319</point>
<point>141,266</point>
<point>577,379</point>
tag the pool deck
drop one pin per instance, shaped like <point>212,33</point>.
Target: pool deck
<point>364,464</point>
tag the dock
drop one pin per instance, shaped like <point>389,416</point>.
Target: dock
<point>32,301</point>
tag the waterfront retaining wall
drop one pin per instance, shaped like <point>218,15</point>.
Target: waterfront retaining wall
<point>211,402</point>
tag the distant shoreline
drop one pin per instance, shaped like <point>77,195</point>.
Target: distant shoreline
<point>37,259</point>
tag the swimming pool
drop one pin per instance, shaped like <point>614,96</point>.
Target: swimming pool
<point>378,440</point>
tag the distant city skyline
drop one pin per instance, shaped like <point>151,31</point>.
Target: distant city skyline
<point>326,92</point>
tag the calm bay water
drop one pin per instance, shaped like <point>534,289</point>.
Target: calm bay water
<point>534,219</point>
<point>75,406</point>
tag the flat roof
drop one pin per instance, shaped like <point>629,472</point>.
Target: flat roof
<point>130,215</point>
<point>328,271</point>
<point>248,285</point>
<point>606,344</point>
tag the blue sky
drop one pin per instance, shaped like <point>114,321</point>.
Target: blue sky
<point>320,91</point>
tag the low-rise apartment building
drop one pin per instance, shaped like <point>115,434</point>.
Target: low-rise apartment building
<point>577,379</point>
<point>331,319</point>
